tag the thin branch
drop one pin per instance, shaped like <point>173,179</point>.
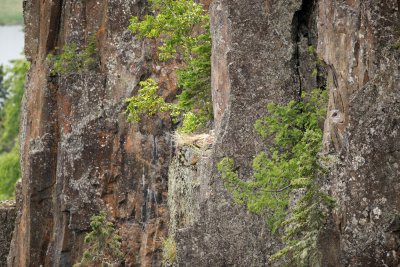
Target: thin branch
<point>278,190</point>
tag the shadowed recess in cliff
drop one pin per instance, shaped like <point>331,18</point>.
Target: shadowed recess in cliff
<point>54,24</point>
<point>304,35</point>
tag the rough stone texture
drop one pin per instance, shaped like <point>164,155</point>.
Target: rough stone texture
<point>255,61</point>
<point>79,155</point>
<point>8,214</point>
<point>260,55</point>
<point>184,185</point>
<point>362,130</point>
<point>181,184</point>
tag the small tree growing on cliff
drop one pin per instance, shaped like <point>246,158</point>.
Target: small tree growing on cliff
<point>183,27</point>
<point>291,163</point>
<point>73,60</point>
<point>103,244</point>
<point>147,102</point>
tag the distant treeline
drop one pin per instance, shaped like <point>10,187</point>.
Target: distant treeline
<point>12,81</point>
<point>11,12</point>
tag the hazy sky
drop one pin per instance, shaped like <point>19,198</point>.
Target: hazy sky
<point>11,43</point>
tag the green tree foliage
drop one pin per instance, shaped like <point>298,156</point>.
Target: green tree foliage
<point>103,244</point>
<point>13,84</point>
<point>10,172</point>
<point>183,27</point>
<point>147,102</point>
<point>303,226</point>
<point>192,121</point>
<point>292,162</point>
<point>74,60</point>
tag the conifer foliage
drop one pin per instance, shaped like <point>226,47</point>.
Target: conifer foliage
<point>292,162</point>
<point>183,28</point>
<point>103,244</point>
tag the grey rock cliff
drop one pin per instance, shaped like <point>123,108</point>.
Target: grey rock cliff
<point>254,62</point>
<point>357,40</point>
<point>259,56</point>
<point>8,213</point>
<point>80,156</point>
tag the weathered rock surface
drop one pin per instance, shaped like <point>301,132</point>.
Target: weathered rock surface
<point>185,187</point>
<point>79,154</point>
<point>255,60</point>
<point>260,55</point>
<point>8,213</point>
<point>356,39</point>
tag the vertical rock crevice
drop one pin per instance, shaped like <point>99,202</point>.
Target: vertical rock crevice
<point>55,23</point>
<point>302,30</point>
<point>311,70</point>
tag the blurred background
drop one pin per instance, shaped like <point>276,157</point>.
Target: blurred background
<point>13,69</point>
<point>11,30</point>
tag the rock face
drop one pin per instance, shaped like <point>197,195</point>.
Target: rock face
<point>357,40</point>
<point>259,56</point>
<point>185,186</point>
<point>8,214</point>
<point>80,156</point>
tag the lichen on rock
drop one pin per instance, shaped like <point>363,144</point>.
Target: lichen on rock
<point>8,214</point>
<point>79,155</point>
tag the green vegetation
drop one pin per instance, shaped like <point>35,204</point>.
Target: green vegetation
<point>11,12</point>
<point>303,226</point>
<point>314,72</point>
<point>183,28</point>
<point>312,51</point>
<point>9,117</point>
<point>103,244</point>
<point>73,60</point>
<point>193,121</point>
<point>9,126</point>
<point>169,251</point>
<point>395,46</point>
<point>147,102</point>
<point>292,163</point>
<point>10,172</point>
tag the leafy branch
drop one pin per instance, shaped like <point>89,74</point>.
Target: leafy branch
<point>147,102</point>
<point>103,244</point>
<point>292,162</point>
<point>183,27</point>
